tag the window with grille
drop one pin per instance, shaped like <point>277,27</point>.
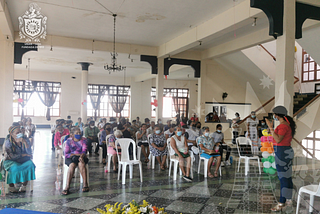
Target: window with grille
<point>312,143</point>
<point>310,69</point>
<point>111,95</point>
<point>34,107</point>
<point>173,99</point>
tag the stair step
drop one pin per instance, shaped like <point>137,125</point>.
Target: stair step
<point>302,95</point>
<point>298,99</point>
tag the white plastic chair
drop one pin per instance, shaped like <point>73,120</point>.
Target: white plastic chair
<point>246,141</point>
<point>60,152</point>
<point>65,172</point>
<point>108,154</point>
<point>176,162</point>
<point>100,149</point>
<point>312,190</point>
<point>125,158</point>
<point>205,162</point>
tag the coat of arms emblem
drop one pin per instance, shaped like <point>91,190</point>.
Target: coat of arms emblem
<point>32,24</point>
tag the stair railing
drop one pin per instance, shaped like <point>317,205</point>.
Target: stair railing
<point>306,105</point>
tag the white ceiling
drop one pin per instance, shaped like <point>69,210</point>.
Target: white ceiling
<point>145,22</point>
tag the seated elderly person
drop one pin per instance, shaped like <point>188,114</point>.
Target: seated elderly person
<point>91,133</point>
<point>75,156</point>
<point>158,147</point>
<point>142,139</point>
<point>179,144</point>
<point>207,151</point>
<point>17,159</point>
<point>112,148</point>
<point>103,143</point>
<point>60,131</point>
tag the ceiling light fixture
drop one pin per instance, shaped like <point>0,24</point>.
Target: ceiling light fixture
<point>113,67</point>
<point>254,22</point>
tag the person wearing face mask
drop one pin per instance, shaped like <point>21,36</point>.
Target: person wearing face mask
<point>207,151</point>
<point>218,139</point>
<point>235,131</point>
<point>166,127</point>
<point>282,138</point>
<point>142,139</point>
<point>150,130</point>
<point>91,133</point>
<point>262,127</point>
<point>17,159</point>
<point>112,148</point>
<point>179,145</point>
<point>193,133</point>
<point>158,147</point>
<point>252,131</point>
<point>75,156</point>
<point>160,125</point>
<point>30,130</point>
<point>60,131</point>
<point>170,131</point>
<point>80,125</point>
<point>237,115</point>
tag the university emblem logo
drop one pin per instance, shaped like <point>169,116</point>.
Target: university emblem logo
<point>32,24</point>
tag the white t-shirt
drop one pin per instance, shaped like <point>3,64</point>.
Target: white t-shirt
<point>193,134</point>
<point>168,132</point>
<point>150,131</point>
<point>217,137</point>
<point>252,122</point>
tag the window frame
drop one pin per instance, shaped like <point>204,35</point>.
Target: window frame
<point>316,68</point>
<point>180,93</point>
<point>313,140</point>
<point>19,108</point>
<point>112,90</point>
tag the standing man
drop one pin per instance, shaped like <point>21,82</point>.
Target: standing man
<point>91,133</point>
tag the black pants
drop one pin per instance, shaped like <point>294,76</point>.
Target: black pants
<point>89,144</point>
<point>235,136</point>
<point>224,147</point>
<point>104,150</point>
<point>53,140</point>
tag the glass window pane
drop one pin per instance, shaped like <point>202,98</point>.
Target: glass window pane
<point>317,134</point>
<point>310,144</point>
<point>317,144</point>
<point>304,143</point>
<point>310,135</point>
<point>311,75</point>
<point>318,67</point>
<point>318,75</point>
<point>311,66</point>
<point>305,76</point>
<point>317,154</point>
<point>305,67</point>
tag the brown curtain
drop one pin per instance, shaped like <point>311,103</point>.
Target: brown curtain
<point>118,102</point>
<point>176,104</point>
<point>96,98</point>
<point>47,96</point>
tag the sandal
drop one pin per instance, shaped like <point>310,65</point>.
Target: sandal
<point>215,174</point>
<point>85,189</point>
<point>210,175</point>
<point>162,168</point>
<point>65,192</point>
<point>146,160</point>
<point>278,207</point>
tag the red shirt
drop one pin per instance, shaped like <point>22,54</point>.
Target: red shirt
<point>58,135</point>
<point>285,131</point>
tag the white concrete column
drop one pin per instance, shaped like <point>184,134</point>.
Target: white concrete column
<point>202,92</point>
<point>6,85</point>
<point>284,79</point>
<point>84,88</point>
<point>159,87</point>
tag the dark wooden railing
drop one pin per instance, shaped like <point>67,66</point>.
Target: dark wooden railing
<point>273,57</point>
<point>306,105</point>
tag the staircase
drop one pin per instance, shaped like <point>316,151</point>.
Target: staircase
<point>300,100</point>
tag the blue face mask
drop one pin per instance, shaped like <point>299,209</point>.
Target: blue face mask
<point>77,136</point>
<point>64,126</point>
<point>274,117</point>
<point>219,131</point>
<point>179,133</point>
<point>158,132</point>
<point>20,135</point>
<point>206,134</point>
<point>253,116</point>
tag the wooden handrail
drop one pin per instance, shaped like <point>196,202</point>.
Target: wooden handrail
<point>306,105</point>
<point>304,148</point>
<point>273,57</point>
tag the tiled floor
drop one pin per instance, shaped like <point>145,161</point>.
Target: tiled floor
<point>231,193</point>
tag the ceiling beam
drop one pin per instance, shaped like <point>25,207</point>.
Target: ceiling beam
<point>258,37</point>
<point>5,21</point>
<point>90,45</point>
<point>211,29</point>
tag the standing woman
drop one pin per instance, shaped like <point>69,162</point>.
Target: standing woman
<point>282,137</point>
<point>252,127</point>
<point>17,159</point>
<point>31,130</point>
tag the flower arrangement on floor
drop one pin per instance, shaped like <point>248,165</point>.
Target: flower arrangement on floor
<point>132,208</point>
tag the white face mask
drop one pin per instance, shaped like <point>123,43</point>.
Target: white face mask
<point>92,127</point>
